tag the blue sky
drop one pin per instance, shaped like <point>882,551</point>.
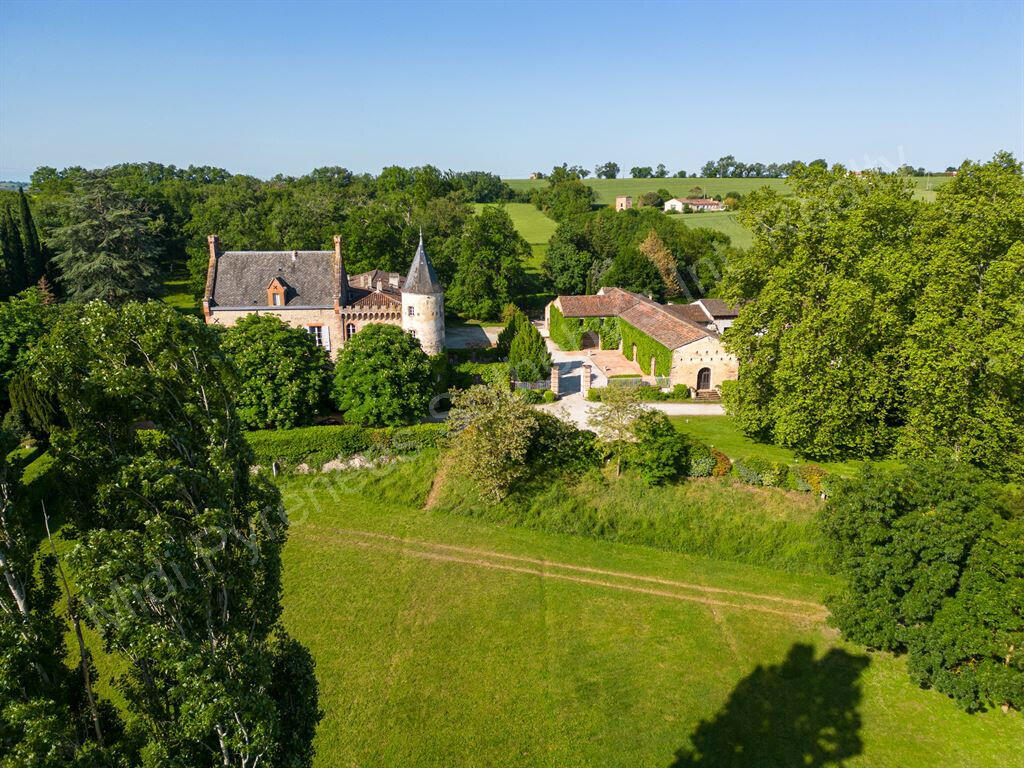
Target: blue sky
<point>267,87</point>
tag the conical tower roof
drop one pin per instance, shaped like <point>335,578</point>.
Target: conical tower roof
<point>422,278</point>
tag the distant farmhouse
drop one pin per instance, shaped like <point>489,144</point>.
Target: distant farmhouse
<point>699,204</point>
<point>623,202</point>
<point>310,289</point>
<point>687,338</point>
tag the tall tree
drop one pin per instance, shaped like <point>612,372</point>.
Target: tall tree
<point>965,370</point>
<point>35,262</point>
<point>178,556</point>
<point>654,248</point>
<point>50,713</point>
<point>283,375</point>
<point>827,294</point>
<point>13,253</point>
<point>931,559</point>
<point>382,378</point>
<point>107,246</point>
<point>490,273</point>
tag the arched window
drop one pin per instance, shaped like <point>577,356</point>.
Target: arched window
<point>350,331</point>
<point>704,378</point>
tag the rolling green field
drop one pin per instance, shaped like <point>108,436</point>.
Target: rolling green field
<point>608,189</point>
<point>534,226</point>
<point>444,641</point>
<point>726,222</point>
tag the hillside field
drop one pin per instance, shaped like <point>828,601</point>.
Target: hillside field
<point>441,640</point>
<point>608,189</point>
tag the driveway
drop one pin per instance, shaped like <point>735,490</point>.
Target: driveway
<point>574,409</point>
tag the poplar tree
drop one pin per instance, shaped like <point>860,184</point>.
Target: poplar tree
<point>13,253</point>
<point>35,262</point>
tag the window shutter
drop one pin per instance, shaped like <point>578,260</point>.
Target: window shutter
<point>326,331</point>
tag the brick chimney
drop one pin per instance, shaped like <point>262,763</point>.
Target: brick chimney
<point>211,274</point>
<point>340,278</point>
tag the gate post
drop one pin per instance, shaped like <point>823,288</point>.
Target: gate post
<point>585,380</point>
<point>556,380</point>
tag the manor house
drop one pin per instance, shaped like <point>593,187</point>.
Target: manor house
<point>311,290</point>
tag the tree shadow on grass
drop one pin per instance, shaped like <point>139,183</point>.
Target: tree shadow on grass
<point>801,712</point>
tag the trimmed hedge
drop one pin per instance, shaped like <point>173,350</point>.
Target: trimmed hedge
<point>646,348</point>
<point>315,446</point>
<point>645,393</point>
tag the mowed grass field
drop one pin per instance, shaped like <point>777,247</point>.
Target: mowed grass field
<point>444,641</point>
<point>535,227</point>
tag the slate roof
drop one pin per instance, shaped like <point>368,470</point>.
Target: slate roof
<point>422,278</point>
<point>673,325</point>
<point>241,278</point>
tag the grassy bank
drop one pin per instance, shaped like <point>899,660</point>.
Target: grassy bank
<point>442,640</point>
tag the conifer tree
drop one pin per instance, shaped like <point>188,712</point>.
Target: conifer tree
<point>528,356</point>
<point>654,248</point>
<point>14,259</point>
<point>107,247</point>
<point>31,247</point>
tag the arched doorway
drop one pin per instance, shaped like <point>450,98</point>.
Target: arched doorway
<point>704,379</point>
<point>590,340</point>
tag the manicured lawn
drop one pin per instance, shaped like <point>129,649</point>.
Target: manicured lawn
<point>534,226</point>
<point>720,432</point>
<point>726,222</point>
<point>444,641</point>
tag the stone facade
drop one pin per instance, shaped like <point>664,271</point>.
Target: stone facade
<point>311,290</point>
<point>707,353</point>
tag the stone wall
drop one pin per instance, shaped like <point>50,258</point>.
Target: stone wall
<point>704,353</point>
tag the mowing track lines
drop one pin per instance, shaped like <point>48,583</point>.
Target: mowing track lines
<point>428,550</point>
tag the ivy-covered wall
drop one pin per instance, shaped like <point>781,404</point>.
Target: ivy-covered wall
<point>566,332</point>
<point>607,329</point>
<point>646,348</point>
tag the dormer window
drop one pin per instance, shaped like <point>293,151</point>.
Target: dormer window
<point>275,293</point>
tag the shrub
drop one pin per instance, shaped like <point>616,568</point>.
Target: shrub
<point>549,396</point>
<point>531,396</point>
<point>491,374</point>
<point>807,477</point>
<point>383,378</point>
<point>702,460</point>
<point>722,463</point>
<point>660,452</point>
<point>750,470</point>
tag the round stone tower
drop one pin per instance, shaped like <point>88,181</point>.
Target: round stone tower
<point>423,303</point>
